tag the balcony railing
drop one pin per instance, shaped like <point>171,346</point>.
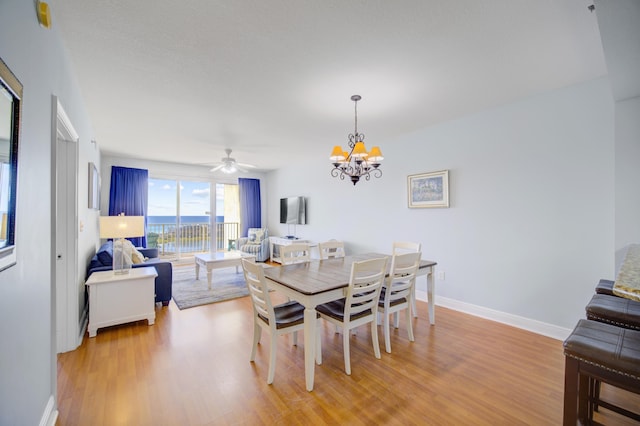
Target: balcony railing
<point>191,238</point>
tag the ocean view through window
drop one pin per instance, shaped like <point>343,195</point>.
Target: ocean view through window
<point>179,221</point>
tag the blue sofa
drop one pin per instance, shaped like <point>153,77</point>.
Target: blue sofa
<point>103,261</point>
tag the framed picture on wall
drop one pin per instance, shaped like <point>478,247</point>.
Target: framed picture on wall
<point>428,190</point>
<point>10,110</point>
<point>94,187</point>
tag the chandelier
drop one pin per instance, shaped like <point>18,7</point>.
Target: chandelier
<point>357,163</point>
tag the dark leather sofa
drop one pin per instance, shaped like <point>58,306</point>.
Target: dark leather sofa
<point>103,261</point>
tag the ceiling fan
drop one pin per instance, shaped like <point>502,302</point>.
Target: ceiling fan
<point>230,165</point>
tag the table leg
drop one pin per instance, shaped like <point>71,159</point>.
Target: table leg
<point>209,276</point>
<point>430,295</point>
<point>310,331</point>
<point>197,270</point>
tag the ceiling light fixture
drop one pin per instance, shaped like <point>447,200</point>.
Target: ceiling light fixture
<point>358,162</point>
<point>230,165</point>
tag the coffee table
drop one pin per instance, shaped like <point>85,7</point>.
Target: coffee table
<point>218,260</point>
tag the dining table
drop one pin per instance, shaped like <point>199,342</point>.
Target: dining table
<point>320,281</point>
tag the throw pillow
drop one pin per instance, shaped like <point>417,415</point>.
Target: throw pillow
<point>256,235</point>
<point>137,257</point>
<point>105,254</point>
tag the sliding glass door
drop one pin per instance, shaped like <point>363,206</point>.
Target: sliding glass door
<point>179,220</point>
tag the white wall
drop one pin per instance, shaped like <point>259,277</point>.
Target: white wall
<point>627,175</point>
<point>531,223</point>
<point>619,23</point>
<point>27,332</point>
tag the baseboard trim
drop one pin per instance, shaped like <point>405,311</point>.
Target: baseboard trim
<point>535,326</point>
<point>50,415</point>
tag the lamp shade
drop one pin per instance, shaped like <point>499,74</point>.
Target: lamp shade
<point>121,226</point>
<point>337,154</point>
<point>375,155</point>
<point>359,150</point>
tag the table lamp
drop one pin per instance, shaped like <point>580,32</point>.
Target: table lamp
<point>121,227</point>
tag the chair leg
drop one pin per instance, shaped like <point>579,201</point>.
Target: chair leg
<point>272,359</point>
<point>345,346</point>
<point>295,338</point>
<point>409,324</point>
<point>318,344</point>
<point>387,337</point>
<point>257,331</point>
<point>413,302</point>
<point>374,339</point>
<point>396,320</point>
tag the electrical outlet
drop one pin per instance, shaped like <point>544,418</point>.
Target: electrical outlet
<point>441,275</point>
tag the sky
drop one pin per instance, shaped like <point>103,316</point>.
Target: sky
<point>194,198</point>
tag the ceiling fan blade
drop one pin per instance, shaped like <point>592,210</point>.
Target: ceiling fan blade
<point>242,169</point>
<point>250,166</point>
<point>216,168</point>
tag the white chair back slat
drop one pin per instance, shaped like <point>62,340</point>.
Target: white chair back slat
<point>331,249</point>
<point>295,253</point>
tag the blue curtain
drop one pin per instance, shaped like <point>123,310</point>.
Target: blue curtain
<point>129,194</point>
<point>250,213</point>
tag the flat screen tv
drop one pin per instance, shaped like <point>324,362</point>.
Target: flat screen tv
<point>293,210</point>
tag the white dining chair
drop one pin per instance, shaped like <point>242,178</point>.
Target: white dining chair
<point>395,295</point>
<point>295,253</point>
<point>360,304</point>
<point>407,247</point>
<point>331,249</point>
<point>275,320</point>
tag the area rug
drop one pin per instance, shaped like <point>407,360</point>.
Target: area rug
<point>188,292</point>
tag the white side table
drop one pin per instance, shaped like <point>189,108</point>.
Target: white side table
<point>117,299</point>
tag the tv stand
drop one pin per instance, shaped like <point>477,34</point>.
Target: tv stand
<point>283,241</point>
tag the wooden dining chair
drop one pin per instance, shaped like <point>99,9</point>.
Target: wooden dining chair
<point>395,295</point>
<point>360,304</point>
<point>295,253</point>
<point>275,320</point>
<point>407,247</point>
<point>331,249</point>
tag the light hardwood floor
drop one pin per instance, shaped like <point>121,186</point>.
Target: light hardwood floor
<point>192,368</point>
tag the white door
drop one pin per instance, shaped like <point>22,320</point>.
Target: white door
<point>68,310</point>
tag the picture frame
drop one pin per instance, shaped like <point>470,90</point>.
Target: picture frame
<point>428,190</point>
<point>11,91</point>
<point>94,187</point>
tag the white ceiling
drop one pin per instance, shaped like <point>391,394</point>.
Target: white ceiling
<point>181,81</point>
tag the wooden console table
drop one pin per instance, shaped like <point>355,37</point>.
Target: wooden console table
<point>121,298</point>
